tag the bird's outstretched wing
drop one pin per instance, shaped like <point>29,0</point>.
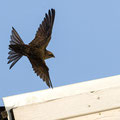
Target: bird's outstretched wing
<point>41,70</point>
<point>43,34</point>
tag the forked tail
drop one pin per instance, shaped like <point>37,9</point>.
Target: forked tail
<point>14,42</point>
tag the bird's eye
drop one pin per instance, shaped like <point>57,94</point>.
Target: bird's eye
<point>50,55</point>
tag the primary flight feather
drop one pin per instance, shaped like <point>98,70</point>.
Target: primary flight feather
<point>36,50</point>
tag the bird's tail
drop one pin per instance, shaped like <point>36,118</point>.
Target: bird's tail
<point>16,44</point>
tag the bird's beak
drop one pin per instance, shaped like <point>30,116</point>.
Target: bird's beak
<point>53,56</point>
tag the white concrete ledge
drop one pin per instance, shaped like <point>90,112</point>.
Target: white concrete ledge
<point>77,101</point>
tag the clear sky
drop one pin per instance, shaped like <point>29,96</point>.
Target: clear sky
<point>85,41</point>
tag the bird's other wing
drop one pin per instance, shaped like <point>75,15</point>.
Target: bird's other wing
<point>41,70</point>
<point>43,34</point>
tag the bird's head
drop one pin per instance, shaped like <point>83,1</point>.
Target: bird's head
<point>49,54</point>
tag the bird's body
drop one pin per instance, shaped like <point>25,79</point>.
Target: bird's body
<point>36,50</point>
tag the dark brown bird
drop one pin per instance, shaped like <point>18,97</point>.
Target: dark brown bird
<point>36,50</point>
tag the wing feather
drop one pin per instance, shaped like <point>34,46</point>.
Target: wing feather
<point>44,32</point>
<point>41,70</point>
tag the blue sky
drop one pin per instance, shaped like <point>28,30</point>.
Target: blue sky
<point>85,41</point>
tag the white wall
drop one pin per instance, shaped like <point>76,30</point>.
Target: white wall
<point>93,100</point>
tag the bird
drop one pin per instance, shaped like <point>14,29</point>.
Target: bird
<point>36,50</point>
